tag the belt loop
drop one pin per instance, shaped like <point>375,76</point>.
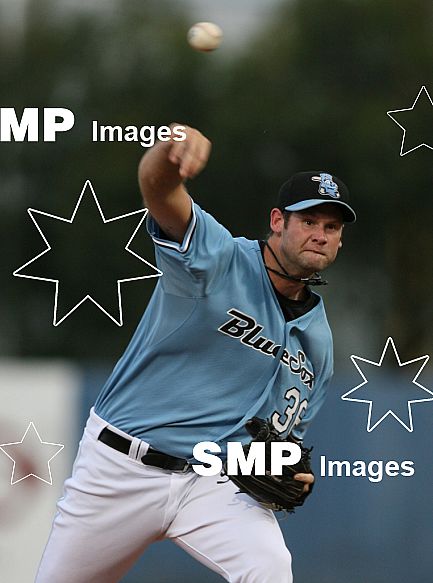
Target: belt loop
<point>142,449</point>
<point>134,450</point>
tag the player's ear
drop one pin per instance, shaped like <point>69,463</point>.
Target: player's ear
<point>277,221</point>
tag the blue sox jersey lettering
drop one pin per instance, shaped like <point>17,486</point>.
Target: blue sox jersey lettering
<point>247,334</point>
<point>213,348</point>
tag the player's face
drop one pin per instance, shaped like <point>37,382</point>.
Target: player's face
<point>310,239</point>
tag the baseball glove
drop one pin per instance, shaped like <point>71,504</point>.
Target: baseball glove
<point>276,492</point>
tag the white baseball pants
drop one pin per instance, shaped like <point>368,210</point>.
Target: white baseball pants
<point>114,506</point>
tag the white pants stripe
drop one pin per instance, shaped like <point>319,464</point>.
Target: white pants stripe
<point>114,507</point>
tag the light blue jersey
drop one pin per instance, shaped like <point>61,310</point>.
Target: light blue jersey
<point>213,349</point>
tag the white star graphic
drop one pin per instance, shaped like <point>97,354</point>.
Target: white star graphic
<point>56,319</point>
<point>427,127</point>
<point>38,449</point>
<point>405,404</point>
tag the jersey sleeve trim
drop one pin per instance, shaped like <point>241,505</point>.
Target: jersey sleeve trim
<point>180,247</point>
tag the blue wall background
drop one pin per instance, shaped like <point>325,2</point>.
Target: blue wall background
<point>351,530</point>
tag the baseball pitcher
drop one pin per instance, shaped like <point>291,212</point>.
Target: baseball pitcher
<point>233,346</point>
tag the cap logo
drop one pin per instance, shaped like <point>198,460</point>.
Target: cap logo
<point>327,186</point>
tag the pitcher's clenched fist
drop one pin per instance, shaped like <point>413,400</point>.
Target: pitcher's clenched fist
<point>190,154</point>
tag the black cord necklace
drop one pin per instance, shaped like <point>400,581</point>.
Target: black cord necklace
<point>315,280</point>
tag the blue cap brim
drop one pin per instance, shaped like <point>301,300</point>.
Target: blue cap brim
<point>349,215</point>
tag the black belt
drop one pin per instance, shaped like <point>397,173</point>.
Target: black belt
<point>151,458</point>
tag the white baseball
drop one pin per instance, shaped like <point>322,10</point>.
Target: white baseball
<point>205,36</point>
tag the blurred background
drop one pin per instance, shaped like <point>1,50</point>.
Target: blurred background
<point>296,85</point>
